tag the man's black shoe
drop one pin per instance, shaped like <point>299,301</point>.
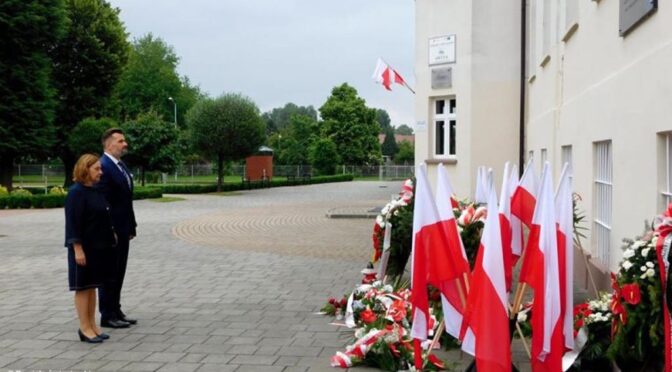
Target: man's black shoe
<point>114,323</point>
<point>129,320</point>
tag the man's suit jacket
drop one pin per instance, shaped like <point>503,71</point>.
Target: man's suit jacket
<point>114,185</point>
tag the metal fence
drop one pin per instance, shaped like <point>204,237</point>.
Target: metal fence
<point>45,174</point>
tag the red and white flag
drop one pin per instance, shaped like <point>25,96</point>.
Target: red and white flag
<point>386,75</point>
<point>431,263</point>
<point>505,225</point>
<point>487,305</point>
<point>525,195</point>
<point>564,210</point>
<point>516,225</point>
<point>451,298</point>
<point>482,183</point>
<point>543,275</point>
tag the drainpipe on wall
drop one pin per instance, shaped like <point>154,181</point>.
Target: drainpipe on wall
<point>523,57</point>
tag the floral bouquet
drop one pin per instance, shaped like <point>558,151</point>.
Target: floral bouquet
<point>595,318</point>
<point>470,223</point>
<point>382,318</point>
<point>335,307</point>
<point>637,324</point>
<point>399,214</point>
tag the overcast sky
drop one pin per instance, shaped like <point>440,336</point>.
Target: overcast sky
<point>279,51</point>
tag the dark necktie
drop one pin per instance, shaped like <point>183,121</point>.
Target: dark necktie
<point>126,172</point>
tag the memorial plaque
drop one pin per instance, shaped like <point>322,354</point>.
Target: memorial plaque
<point>632,12</point>
<point>441,50</point>
<point>442,78</point>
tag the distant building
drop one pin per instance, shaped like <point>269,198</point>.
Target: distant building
<point>398,138</point>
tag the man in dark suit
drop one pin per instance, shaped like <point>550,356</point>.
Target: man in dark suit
<point>116,184</point>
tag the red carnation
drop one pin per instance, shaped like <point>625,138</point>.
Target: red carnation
<point>368,316</point>
<point>332,301</point>
<point>631,293</point>
<point>344,302</point>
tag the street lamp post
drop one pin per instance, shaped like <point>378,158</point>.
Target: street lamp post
<point>174,108</point>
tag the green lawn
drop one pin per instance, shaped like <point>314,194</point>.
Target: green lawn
<point>167,199</point>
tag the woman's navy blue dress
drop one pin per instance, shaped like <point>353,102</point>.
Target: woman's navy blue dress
<point>87,221</point>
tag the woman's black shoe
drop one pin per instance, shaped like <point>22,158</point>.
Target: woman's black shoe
<point>104,336</point>
<point>92,340</point>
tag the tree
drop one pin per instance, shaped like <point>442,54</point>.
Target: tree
<point>26,94</point>
<point>324,156</point>
<point>85,137</point>
<point>389,146</point>
<point>406,154</point>
<point>87,64</point>
<point>351,126</point>
<point>404,129</point>
<point>279,118</point>
<point>292,144</point>
<point>227,128</point>
<point>153,144</point>
<point>149,79</point>
<point>383,119</point>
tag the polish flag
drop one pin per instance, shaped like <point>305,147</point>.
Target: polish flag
<point>505,225</point>
<point>487,306</point>
<point>453,308</point>
<point>543,276</point>
<point>386,75</point>
<point>516,225</point>
<point>524,197</point>
<point>431,262</point>
<point>481,194</point>
<point>564,210</point>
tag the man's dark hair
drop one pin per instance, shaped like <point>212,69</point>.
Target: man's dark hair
<point>108,133</point>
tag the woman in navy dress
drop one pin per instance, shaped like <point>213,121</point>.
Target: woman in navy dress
<point>89,237</point>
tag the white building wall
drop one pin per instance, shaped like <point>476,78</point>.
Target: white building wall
<point>600,86</point>
<point>485,83</point>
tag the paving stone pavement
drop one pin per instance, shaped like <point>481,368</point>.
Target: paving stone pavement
<point>218,283</point>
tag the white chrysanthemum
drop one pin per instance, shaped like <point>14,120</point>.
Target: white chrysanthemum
<point>628,253</point>
<point>650,264</point>
<point>643,268</point>
<point>627,265</point>
<point>637,244</point>
<point>643,276</point>
<point>650,273</point>
<point>645,252</point>
<point>522,317</point>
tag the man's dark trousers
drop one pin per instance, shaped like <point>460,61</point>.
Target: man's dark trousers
<point>109,294</point>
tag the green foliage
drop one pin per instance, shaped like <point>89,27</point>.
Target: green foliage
<point>226,128</point>
<point>57,190</point>
<point>87,64</point>
<point>389,146</point>
<point>85,137</point>
<point>3,191</point>
<point>203,189</point>
<point>352,126</point>
<point>406,153</point>
<point>324,156</point>
<point>27,97</point>
<point>280,118</point>
<point>292,144</point>
<point>140,193</point>
<point>383,119</point>
<point>153,144</point>
<point>404,129</point>
<point>20,191</point>
<point>149,78</point>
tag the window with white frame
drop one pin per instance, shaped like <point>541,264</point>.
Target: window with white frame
<point>530,155</point>
<point>566,157</point>
<point>666,192</point>
<point>444,118</point>
<point>602,200</point>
